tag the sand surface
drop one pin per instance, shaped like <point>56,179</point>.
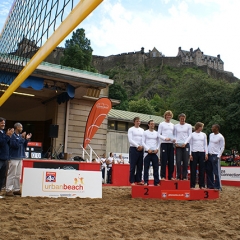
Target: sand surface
<point>118,216</point>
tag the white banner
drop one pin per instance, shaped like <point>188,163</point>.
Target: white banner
<point>230,173</point>
<point>125,156</point>
<point>39,182</point>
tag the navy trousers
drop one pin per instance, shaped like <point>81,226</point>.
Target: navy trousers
<point>136,165</point>
<point>3,170</point>
<point>167,159</point>
<point>198,158</point>
<point>213,171</point>
<point>154,159</point>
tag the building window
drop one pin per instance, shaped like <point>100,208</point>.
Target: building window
<point>130,124</point>
<point>111,124</point>
<point>121,126</point>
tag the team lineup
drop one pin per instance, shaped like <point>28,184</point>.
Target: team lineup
<point>176,139</point>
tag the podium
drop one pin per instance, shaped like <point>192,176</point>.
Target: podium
<point>175,190</point>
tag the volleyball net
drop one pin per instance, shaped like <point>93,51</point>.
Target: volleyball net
<point>33,29</point>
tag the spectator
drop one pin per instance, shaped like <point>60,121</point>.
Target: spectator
<point>4,150</point>
<point>18,144</point>
<point>120,160</point>
<point>103,166</point>
<point>110,162</point>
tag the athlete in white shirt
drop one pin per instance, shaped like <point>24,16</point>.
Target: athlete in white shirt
<point>182,132</point>
<point>212,165</point>
<point>135,152</point>
<point>151,144</point>
<point>199,153</point>
<point>166,131</point>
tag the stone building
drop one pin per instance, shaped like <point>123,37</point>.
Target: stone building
<point>198,58</point>
<point>213,66</point>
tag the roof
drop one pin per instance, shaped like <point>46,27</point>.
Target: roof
<point>185,52</point>
<point>129,116</point>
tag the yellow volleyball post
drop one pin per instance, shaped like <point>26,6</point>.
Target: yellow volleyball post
<point>76,16</point>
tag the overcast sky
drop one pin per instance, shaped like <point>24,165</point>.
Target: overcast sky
<point>119,26</point>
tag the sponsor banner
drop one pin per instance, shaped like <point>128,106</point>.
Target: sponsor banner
<point>125,156</point>
<point>61,183</point>
<point>176,194</point>
<point>96,116</point>
<point>230,173</point>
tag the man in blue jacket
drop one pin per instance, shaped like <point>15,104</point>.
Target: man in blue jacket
<point>18,143</point>
<point>4,150</point>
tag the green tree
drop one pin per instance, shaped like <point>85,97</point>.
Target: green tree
<point>141,106</point>
<point>207,100</point>
<point>159,104</point>
<point>78,52</point>
<point>116,91</point>
<point>233,119</point>
<point>201,99</point>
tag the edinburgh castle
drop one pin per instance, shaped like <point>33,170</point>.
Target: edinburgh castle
<point>213,66</point>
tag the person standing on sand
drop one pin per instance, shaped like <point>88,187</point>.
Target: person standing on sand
<point>18,144</point>
<point>4,150</point>
<point>136,152</point>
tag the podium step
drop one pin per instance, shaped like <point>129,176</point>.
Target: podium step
<point>175,185</point>
<point>176,190</point>
<point>204,194</point>
<point>150,191</point>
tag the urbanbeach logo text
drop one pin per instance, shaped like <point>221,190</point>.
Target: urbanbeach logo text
<point>50,183</point>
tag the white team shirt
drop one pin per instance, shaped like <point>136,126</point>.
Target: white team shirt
<point>166,130</point>
<point>182,132</point>
<point>216,144</point>
<point>151,140</point>
<point>135,136</point>
<point>198,142</point>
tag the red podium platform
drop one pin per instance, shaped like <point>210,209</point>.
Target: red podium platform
<point>120,174</point>
<point>176,190</point>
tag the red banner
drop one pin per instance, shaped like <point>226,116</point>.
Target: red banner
<point>95,118</point>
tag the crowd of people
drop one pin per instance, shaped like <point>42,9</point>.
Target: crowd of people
<point>106,165</point>
<point>13,143</point>
<point>189,147</point>
<point>176,139</point>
